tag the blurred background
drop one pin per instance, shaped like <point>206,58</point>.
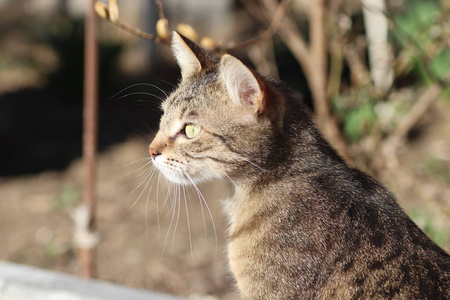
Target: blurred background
<point>382,78</point>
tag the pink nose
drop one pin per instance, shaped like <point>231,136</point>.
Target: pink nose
<point>153,152</point>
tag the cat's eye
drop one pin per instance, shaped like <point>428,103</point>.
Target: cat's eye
<point>191,130</point>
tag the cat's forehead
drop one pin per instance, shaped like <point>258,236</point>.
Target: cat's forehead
<point>193,95</point>
<point>181,97</point>
<point>189,89</point>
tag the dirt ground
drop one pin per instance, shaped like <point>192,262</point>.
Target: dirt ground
<point>181,249</point>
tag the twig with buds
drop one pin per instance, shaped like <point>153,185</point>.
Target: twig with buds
<point>110,13</point>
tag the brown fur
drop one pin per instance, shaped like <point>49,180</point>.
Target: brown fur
<point>303,225</point>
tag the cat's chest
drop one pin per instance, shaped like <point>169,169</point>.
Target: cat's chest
<point>254,253</point>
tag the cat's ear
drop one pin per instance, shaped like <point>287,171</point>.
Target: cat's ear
<point>190,57</point>
<point>242,84</point>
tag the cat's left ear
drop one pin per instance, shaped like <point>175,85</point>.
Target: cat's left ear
<point>190,57</point>
<point>243,85</point>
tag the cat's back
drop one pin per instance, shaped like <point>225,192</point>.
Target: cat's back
<point>338,234</point>
<point>377,251</point>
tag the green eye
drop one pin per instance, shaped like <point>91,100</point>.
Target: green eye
<point>191,130</point>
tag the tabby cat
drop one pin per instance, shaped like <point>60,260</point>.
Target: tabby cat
<point>303,225</point>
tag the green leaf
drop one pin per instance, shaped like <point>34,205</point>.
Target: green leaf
<point>359,121</point>
<point>440,64</point>
<point>416,21</point>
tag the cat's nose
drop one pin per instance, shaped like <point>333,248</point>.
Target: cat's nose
<point>153,152</point>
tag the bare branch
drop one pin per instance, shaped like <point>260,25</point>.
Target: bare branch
<point>268,33</point>
<point>291,36</point>
<point>255,11</point>
<point>416,45</point>
<point>359,74</point>
<point>426,99</point>
<point>318,53</point>
<point>160,9</point>
<point>313,62</point>
<point>136,32</point>
<point>390,145</point>
<point>379,50</point>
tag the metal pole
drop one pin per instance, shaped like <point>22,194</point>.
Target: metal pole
<point>86,253</point>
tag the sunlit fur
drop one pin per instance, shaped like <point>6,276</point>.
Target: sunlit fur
<point>303,225</point>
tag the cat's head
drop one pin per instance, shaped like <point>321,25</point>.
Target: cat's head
<point>219,122</point>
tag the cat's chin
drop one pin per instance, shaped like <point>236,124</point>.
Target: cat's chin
<point>182,179</point>
<point>178,179</point>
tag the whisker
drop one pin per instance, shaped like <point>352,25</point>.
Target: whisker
<point>148,178</point>
<point>170,226</point>
<point>146,204</point>
<point>167,82</point>
<point>157,87</point>
<point>157,204</point>
<point>188,221</point>
<point>231,180</point>
<point>148,171</point>
<point>140,168</point>
<point>202,210</point>
<point>209,211</point>
<point>178,202</point>
<point>166,198</point>
<point>136,161</point>
<point>141,93</point>
<point>138,84</point>
<point>252,163</point>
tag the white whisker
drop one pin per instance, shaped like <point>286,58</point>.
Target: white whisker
<point>178,205</point>
<point>148,177</point>
<point>231,180</point>
<point>202,210</point>
<point>146,204</point>
<point>188,221</point>
<point>141,93</point>
<point>165,81</point>
<point>138,169</point>
<point>157,204</point>
<point>252,163</point>
<point>169,188</point>
<point>148,171</point>
<point>138,84</point>
<point>136,161</point>
<point>173,208</point>
<point>209,211</point>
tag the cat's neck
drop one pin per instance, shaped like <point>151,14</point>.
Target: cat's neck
<point>298,150</point>
<point>298,154</point>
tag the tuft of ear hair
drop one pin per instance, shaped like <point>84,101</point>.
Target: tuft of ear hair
<point>190,57</point>
<point>242,84</point>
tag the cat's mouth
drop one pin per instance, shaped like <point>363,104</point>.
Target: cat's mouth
<point>175,171</point>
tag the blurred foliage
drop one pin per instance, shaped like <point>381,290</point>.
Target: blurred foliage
<point>427,223</point>
<point>51,248</point>
<point>357,111</point>
<point>421,30</point>
<point>437,167</point>
<point>421,39</point>
<point>67,198</point>
<point>440,64</point>
<point>417,20</point>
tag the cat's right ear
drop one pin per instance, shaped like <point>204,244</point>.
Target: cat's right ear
<point>188,55</point>
<point>242,84</point>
